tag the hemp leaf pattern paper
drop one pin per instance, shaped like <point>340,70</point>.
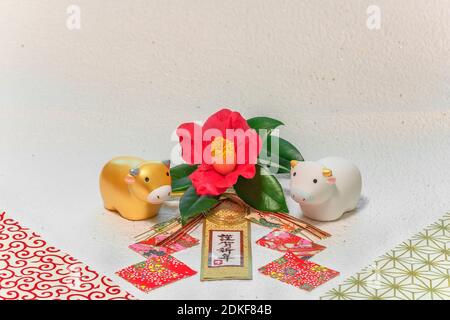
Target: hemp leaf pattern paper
<point>417,269</point>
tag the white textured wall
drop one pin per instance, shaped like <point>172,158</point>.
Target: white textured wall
<point>140,67</point>
<point>279,57</point>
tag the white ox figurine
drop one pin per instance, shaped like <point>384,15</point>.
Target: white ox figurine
<point>325,189</point>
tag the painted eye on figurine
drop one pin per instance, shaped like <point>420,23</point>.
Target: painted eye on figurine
<point>147,179</point>
<point>315,180</point>
<point>167,173</point>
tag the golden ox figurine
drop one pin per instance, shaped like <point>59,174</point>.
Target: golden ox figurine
<point>135,188</point>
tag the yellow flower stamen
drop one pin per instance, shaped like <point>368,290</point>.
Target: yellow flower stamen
<point>223,155</point>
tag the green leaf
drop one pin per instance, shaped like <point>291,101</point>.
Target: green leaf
<point>285,152</point>
<point>266,123</point>
<point>181,184</point>
<point>180,176</point>
<point>182,170</point>
<point>191,204</point>
<point>262,192</point>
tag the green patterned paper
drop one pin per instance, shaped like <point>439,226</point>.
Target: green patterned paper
<point>417,269</point>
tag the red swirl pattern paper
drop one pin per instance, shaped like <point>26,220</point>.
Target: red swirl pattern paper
<point>284,241</point>
<point>30,269</point>
<point>156,272</point>
<point>300,273</point>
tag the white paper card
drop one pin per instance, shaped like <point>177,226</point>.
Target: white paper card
<point>226,249</point>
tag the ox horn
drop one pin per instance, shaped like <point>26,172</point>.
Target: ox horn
<point>134,172</point>
<point>327,172</point>
<point>167,163</point>
<point>293,163</point>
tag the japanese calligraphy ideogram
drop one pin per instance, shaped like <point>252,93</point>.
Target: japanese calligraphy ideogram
<point>226,248</point>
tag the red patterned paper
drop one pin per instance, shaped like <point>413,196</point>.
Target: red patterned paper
<point>284,241</point>
<point>298,272</point>
<point>156,272</point>
<point>31,269</point>
<point>148,249</point>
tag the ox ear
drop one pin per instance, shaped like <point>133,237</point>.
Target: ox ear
<point>327,173</point>
<point>129,179</point>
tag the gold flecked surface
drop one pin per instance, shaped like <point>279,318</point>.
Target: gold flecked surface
<point>227,216</point>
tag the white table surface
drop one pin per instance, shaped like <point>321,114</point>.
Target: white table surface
<point>50,161</point>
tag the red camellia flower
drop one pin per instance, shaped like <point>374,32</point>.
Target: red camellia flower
<point>225,147</point>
